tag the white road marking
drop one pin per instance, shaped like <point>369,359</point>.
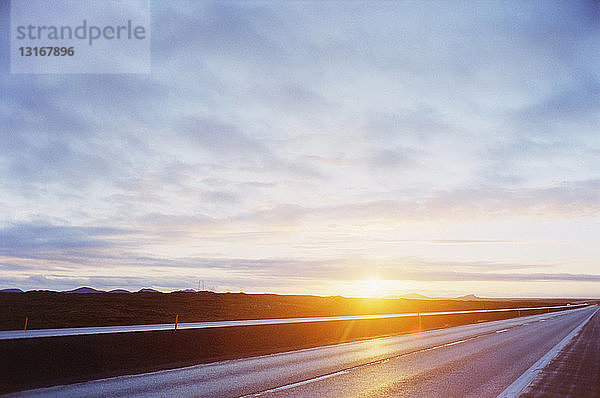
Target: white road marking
<point>344,371</point>
<point>523,381</point>
<point>297,384</point>
<point>454,343</point>
<point>501,331</point>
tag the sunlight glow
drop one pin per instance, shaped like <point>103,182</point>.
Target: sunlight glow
<point>372,288</point>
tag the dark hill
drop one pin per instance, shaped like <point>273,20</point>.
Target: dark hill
<point>84,289</point>
<point>469,297</point>
<point>148,290</point>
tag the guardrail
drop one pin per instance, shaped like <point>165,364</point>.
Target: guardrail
<point>36,333</point>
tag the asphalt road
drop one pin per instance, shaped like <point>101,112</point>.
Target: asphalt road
<point>575,371</point>
<point>478,360</point>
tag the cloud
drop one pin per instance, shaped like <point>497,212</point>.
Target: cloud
<point>393,159</point>
<point>573,107</point>
<point>412,125</point>
<point>451,276</point>
<point>250,274</point>
<point>288,127</point>
<point>175,220</point>
<point>242,31</point>
<point>574,199</point>
<point>221,138</point>
<point>567,200</point>
<point>56,132</point>
<point>220,196</point>
<point>28,239</point>
<point>281,214</point>
<point>294,98</point>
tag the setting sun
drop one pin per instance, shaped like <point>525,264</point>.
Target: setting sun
<point>372,288</point>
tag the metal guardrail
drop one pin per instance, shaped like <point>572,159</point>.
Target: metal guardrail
<point>36,333</point>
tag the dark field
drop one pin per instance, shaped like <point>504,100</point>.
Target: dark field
<point>59,310</point>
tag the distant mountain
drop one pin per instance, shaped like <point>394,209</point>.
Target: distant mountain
<point>469,297</point>
<point>84,289</point>
<point>11,291</point>
<point>119,291</point>
<point>148,290</point>
<point>415,296</point>
<point>186,291</point>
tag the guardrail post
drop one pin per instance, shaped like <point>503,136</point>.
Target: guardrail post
<point>176,320</point>
<point>26,320</point>
<point>420,324</point>
<point>519,313</point>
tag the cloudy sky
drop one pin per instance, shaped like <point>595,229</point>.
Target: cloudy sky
<point>352,148</point>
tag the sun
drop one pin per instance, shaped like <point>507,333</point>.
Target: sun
<point>372,287</point>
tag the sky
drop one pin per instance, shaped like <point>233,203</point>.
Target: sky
<point>330,148</point>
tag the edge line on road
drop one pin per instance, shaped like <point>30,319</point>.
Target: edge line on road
<point>529,375</point>
<point>363,365</point>
<point>375,362</point>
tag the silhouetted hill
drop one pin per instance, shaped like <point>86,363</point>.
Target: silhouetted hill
<point>148,290</point>
<point>119,291</point>
<point>84,289</point>
<point>11,291</point>
<point>469,297</point>
<point>415,296</point>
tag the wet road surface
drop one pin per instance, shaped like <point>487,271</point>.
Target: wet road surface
<point>478,360</point>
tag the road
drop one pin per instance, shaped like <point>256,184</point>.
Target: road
<point>478,360</point>
<point>575,371</point>
<point>36,333</point>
